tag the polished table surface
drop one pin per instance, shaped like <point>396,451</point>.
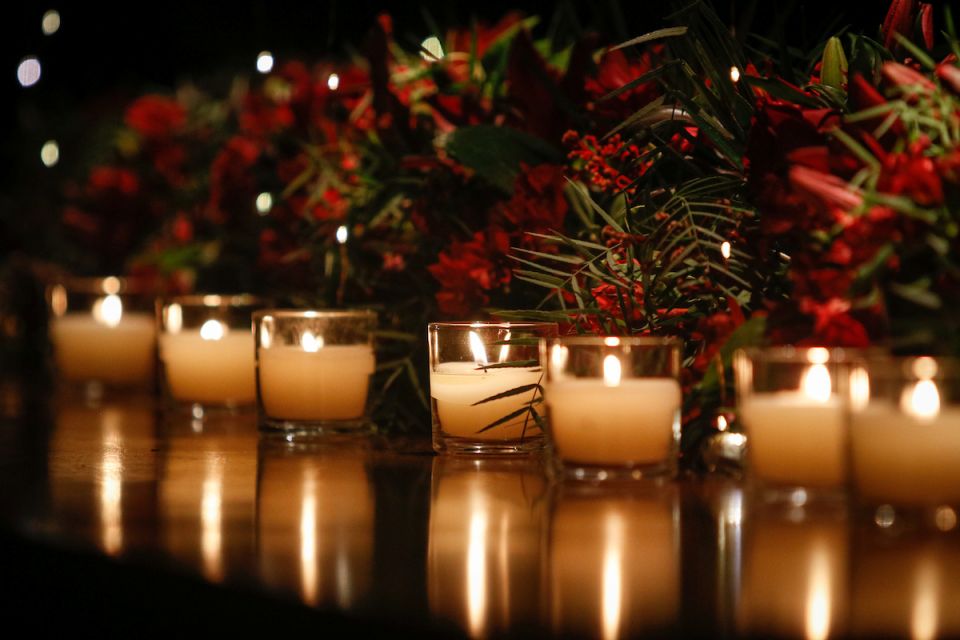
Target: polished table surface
<point>119,517</point>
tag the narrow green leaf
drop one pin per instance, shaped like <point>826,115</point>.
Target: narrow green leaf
<point>516,391</point>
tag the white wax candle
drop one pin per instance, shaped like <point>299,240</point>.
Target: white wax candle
<point>633,422</point>
<point>122,352</point>
<point>218,371</point>
<point>456,386</point>
<point>795,439</point>
<point>327,384</point>
<point>905,460</point>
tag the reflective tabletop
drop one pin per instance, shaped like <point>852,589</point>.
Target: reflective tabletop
<point>178,518</point>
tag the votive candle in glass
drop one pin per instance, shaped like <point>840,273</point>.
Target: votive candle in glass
<point>485,382</point>
<point>614,406</point>
<point>313,369</point>
<point>103,333</point>
<point>791,402</point>
<point>207,351</point>
<point>905,431</point>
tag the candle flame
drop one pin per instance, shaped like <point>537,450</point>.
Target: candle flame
<point>212,330</point>
<point>816,384</point>
<point>558,358</point>
<point>612,341</point>
<point>859,389</point>
<point>921,400</point>
<point>505,349</point>
<point>612,594</point>
<point>725,250</point>
<point>478,349</point>
<point>108,310</point>
<point>611,371</point>
<point>311,343</point>
<point>174,318</point>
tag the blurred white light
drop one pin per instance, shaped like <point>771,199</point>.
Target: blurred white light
<point>432,49</point>
<point>51,22</point>
<point>264,203</point>
<point>725,250</point>
<point>50,153</point>
<point>342,234</point>
<point>333,82</point>
<point>735,74</point>
<point>28,73</point>
<point>264,62</point>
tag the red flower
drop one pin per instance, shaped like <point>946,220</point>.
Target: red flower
<point>105,178</point>
<point>833,325</point>
<point>154,116</point>
<point>614,71</point>
<point>913,175</point>
<point>538,203</point>
<point>467,274</point>
<point>231,181</point>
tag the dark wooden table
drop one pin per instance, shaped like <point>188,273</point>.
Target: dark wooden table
<point>117,518</point>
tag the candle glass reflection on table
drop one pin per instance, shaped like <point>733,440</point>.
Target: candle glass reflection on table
<point>207,351</point>
<point>313,370</point>
<point>905,432</point>
<point>791,402</point>
<point>487,517</point>
<point>206,492</point>
<point>485,382</point>
<point>613,566</point>
<point>315,520</point>
<point>796,571</point>
<point>613,406</point>
<point>103,333</point>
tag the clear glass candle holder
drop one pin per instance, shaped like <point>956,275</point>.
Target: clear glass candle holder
<point>905,432</point>
<point>485,391</point>
<point>103,333</point>
<point>313,370</point>
<point>613,406</point>
<point>791,402</point>
<point>206,351</point>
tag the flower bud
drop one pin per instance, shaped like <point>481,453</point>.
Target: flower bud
<point>833,70</point>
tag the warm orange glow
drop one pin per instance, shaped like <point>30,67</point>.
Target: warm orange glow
<point>816,384</point>
<point>311,343</point>
<point>213,330</point>
<point>108,310</point>
<point>921,400</point>
<point>611,371</point>
<point>478,349</point>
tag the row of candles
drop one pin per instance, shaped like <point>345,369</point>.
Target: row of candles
<point>609,406</point>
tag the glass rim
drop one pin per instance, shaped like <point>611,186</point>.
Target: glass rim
<point>100,285</point>
<point>801,354</point>
<point>631,341</point>
<point>313,313</point>
<point>482,324</point>
<point>213,300</point>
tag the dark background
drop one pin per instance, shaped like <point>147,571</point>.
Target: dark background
<point>106,53</point>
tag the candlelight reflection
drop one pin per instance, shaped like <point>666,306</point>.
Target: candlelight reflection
<point>101,467</point>
<point>315,516</point>
<point>483,558</point>
<point>795,572</point>
<point>206,491</point>
<point>628,546</point>
<point>903,585</point>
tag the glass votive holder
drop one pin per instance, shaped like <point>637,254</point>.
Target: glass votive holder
<point>905,432</point>
<point>313,370</point>
<point>103,333</point>
<point>206,351</point>
<point>485,386</point>
<point>791,403</point>
<point>613,406</point>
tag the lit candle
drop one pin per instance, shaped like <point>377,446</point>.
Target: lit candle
<point>797,438</point>
<point>908,453</point>
<point>315,381</point>
<point>471,364</point>
<point>613,421</point>
<point>614,404</point>
<point>211,365</point>
<point>109,344</point>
